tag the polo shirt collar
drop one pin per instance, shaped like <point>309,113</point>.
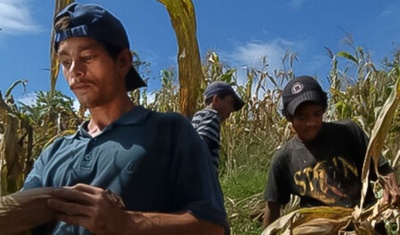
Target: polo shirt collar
<point>137,115</point>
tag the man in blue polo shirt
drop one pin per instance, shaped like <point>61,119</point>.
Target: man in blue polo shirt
<point>127,170</point>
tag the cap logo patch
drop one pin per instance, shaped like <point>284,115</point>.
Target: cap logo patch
<point>297,87</point>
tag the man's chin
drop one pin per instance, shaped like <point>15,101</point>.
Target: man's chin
<point>84,103</point>
<point>309,137</point>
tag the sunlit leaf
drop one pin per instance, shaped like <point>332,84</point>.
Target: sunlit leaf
<point>347,56</point>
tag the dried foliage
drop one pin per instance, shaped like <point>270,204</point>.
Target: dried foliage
<point>27,130</point>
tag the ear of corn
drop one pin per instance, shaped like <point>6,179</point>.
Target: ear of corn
<point>22,211</point>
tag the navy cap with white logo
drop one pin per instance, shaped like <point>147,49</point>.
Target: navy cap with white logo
<point>299,90</point>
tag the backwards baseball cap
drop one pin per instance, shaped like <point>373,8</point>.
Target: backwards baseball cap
<point>93,21</point>
<point>299,90</point>
<point>223,88</point>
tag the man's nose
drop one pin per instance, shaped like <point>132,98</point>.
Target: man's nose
<point>311,121</point>
<point>77,70</point>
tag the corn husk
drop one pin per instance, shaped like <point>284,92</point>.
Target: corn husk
<point>22,211</point>
<point>315,220</point>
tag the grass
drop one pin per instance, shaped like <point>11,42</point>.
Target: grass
<point>243,192</point>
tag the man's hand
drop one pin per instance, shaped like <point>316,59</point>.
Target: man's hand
<point>90,207</point>
<point>391,192</point>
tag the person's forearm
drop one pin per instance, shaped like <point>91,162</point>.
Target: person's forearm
<point>271,213</point>
<point>165,224</point>
<point>391,192</point>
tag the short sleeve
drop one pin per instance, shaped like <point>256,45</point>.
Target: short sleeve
<point>207,124</point>
<point>34,178</point>
<point>196,188</point>
<point>278,187</point>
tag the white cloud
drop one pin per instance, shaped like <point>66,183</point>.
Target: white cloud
<point>15,17</point>
<point>391,10</point>
<point>296,3</point>
<point>388,12</point>
<point>252,53</point>
<point>317,65</point>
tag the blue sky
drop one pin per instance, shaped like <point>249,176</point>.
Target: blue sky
<point>240,31</point>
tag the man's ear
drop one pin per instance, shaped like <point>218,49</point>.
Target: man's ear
<point>124,61</point>
<point>216,99</point>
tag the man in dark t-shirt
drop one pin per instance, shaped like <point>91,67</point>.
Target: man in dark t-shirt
<point>322,163</point>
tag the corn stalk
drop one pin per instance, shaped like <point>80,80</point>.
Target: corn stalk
<point>16,143</point>
<point>183,20</point>
<point>54,63</point>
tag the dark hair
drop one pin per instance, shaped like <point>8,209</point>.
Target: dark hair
<point>64,23</point>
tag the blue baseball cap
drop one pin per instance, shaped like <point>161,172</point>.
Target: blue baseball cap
<point>223,88</point>
<point>94,21</point>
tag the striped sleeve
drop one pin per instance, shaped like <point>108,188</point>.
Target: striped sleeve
<point>207,124</point>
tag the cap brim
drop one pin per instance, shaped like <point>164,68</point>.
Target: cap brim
<point>311,96</point>
<point>134,80</point>
<point>239,103</point>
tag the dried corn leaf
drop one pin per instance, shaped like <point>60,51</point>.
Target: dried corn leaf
<point>377,139</point>
<point>308,221</point>
<point>22,211</point>
<point>54,63</point>
<point>183,20</point>
<point>319,226</point>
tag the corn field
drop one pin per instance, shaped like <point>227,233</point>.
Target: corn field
<point>249,137</point>
<point>358,89</point>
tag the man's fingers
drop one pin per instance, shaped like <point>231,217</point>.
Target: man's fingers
<point>87,188</point>
<point>73,195</point>
<point>68,208</point>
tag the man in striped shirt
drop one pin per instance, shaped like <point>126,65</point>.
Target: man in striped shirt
<point>221,100</point>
